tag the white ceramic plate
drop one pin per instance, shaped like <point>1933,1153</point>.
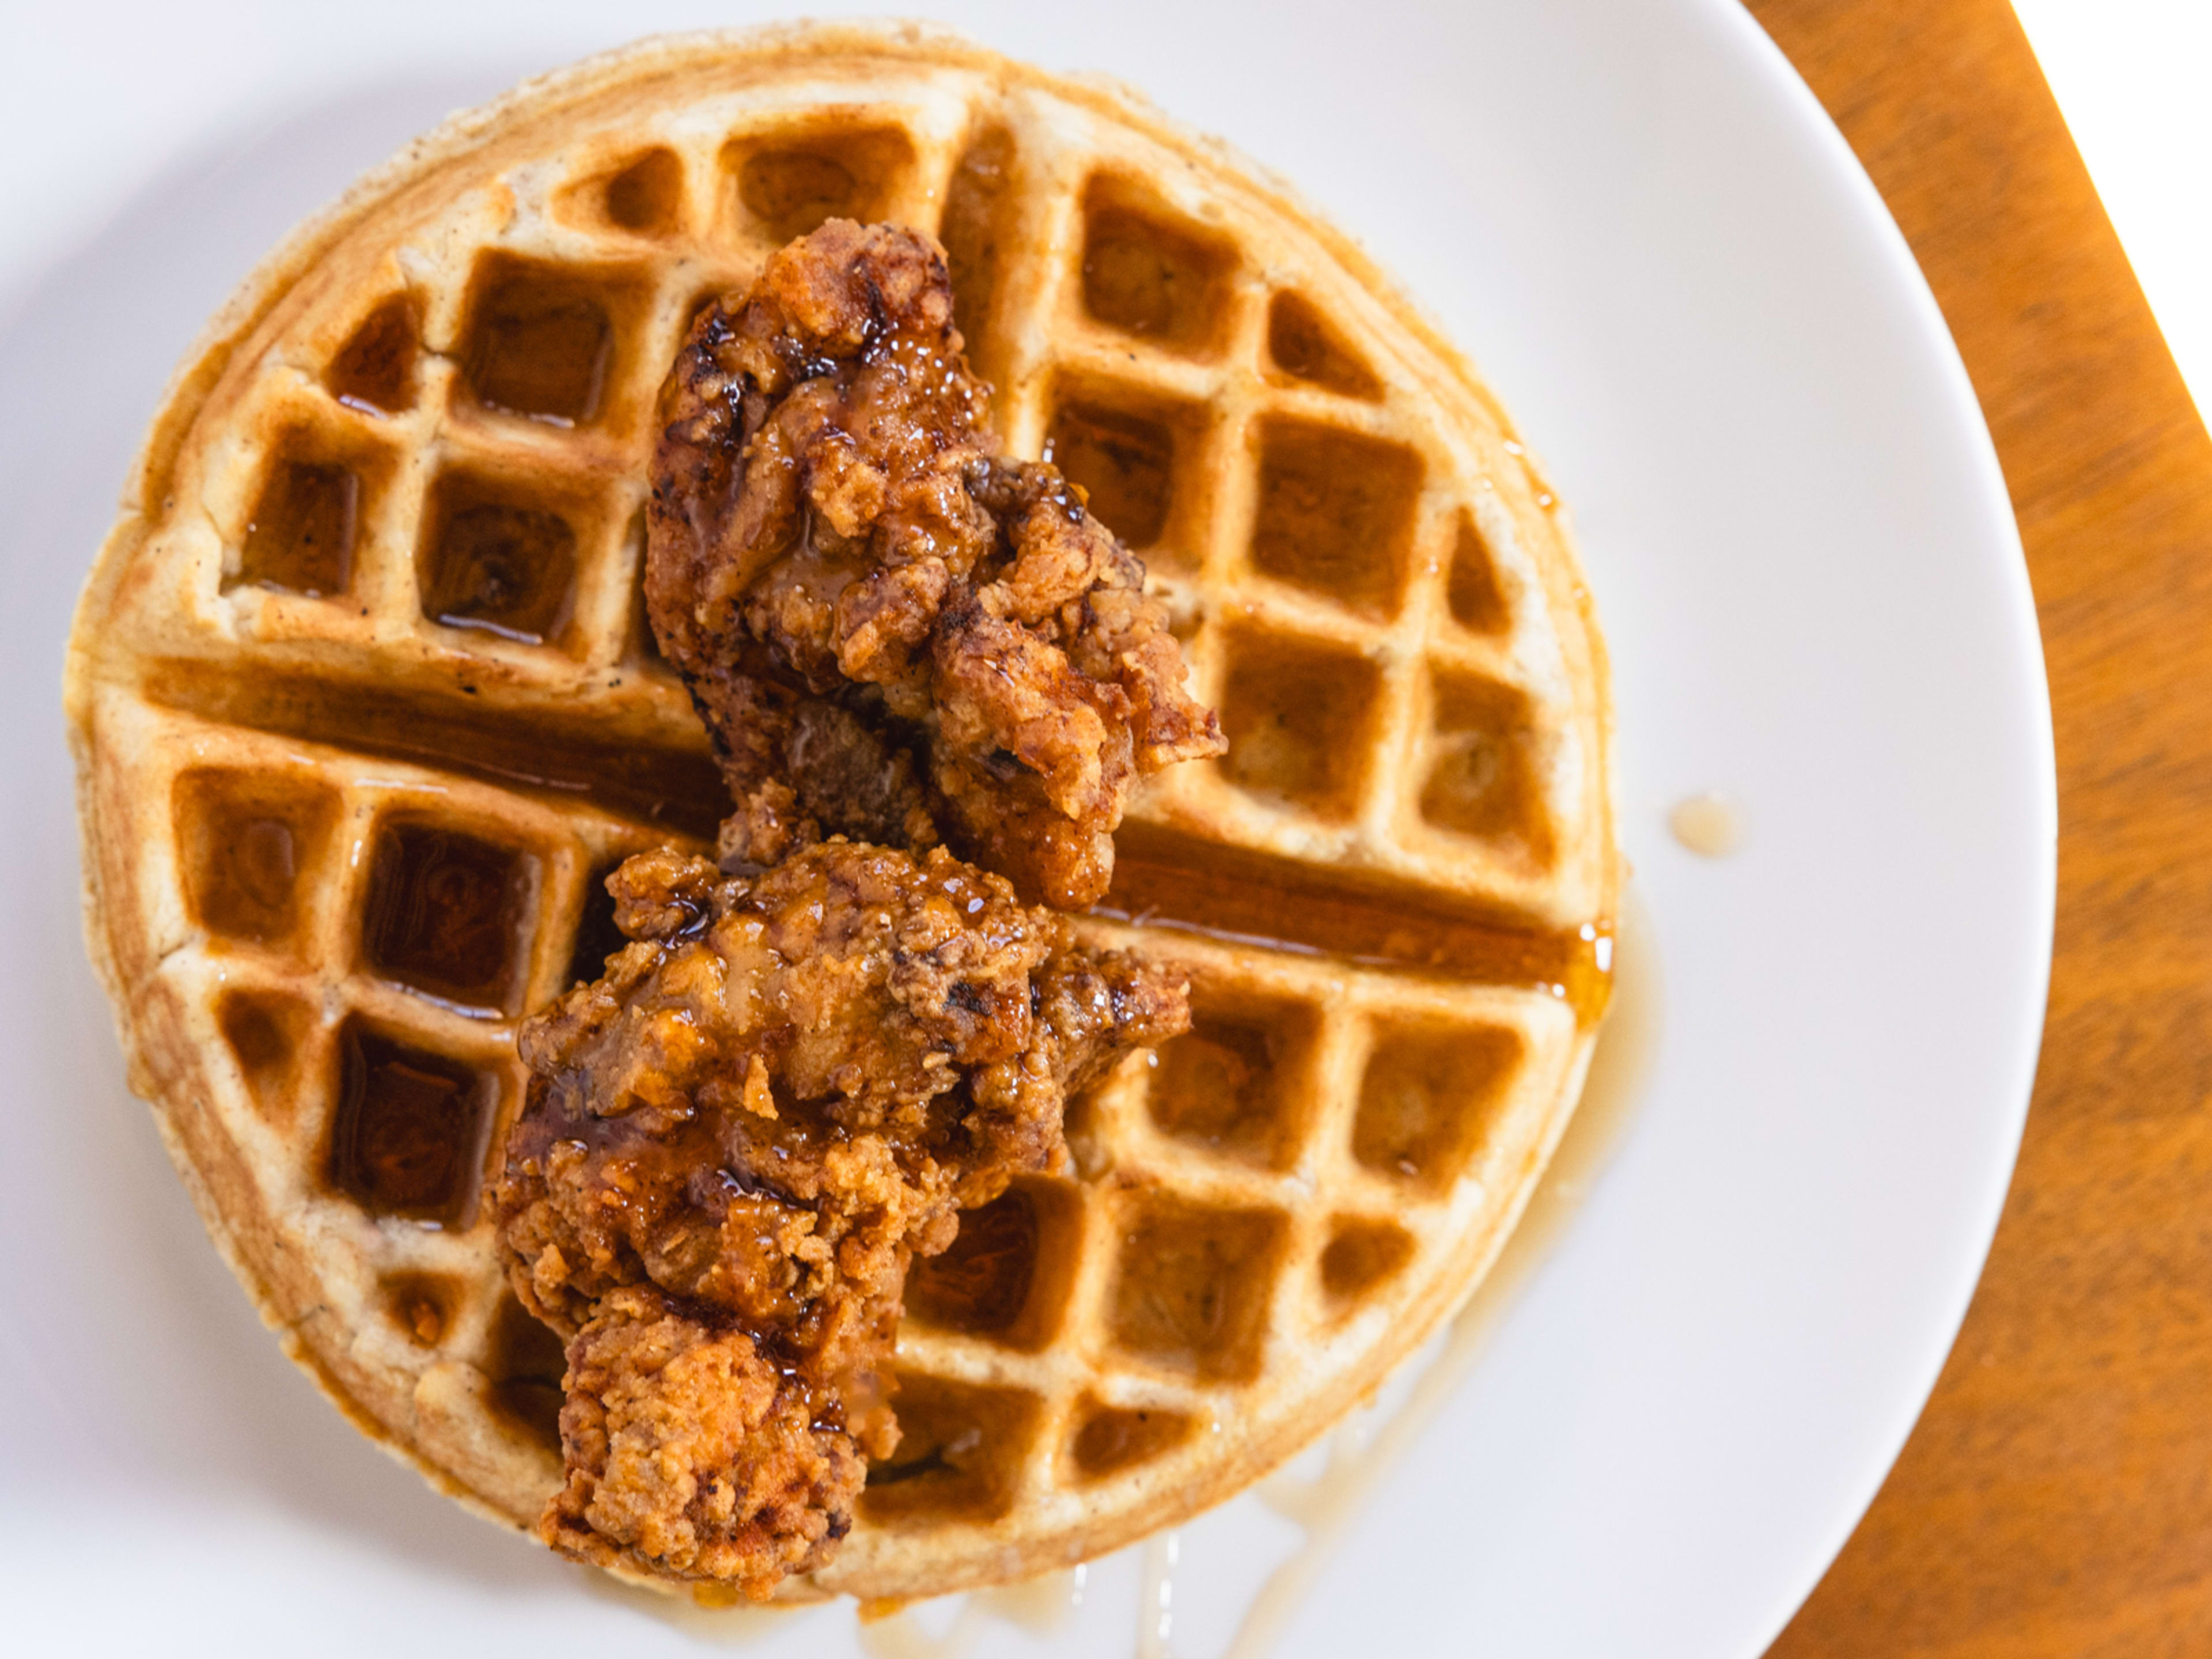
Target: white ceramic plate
<point>1645,230</point>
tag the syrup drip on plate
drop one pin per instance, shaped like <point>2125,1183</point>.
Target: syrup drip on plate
<point>1709,825</point>
<point>1362,1451</point>
<point>1041,1606</point>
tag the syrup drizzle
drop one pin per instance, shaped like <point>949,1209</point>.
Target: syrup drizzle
<point>681,788</point>
<point>1160,880</point>
<point>1156,1599</point>
<point>1240,898</point>
<point>1361,1453</point>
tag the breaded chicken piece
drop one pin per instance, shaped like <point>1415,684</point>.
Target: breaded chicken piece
<point>892,631</point>
<point>780,1093</point>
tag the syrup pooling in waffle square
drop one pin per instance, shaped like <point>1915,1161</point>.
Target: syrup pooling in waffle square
<point>366,710</point>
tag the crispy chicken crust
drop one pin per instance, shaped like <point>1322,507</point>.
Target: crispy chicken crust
<point>733,1144</point>
<point>892,631</point>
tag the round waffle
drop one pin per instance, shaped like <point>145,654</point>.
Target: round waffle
<point>364,708</point>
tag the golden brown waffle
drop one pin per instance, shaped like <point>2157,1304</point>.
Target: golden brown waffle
<point>363,707</point>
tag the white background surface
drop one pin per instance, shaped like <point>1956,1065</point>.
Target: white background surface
<point>2130,76</point>
<point>1640,223</point>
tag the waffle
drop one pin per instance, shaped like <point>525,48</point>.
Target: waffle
<point>364,708</point>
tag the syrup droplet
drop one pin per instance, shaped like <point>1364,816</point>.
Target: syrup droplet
<point>1709,825</point>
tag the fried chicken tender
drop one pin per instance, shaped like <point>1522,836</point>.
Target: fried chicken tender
<point>733,1144</point>
<point>892,631</point>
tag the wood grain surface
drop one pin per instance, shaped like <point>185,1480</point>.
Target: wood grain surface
<point>2056,1498</point>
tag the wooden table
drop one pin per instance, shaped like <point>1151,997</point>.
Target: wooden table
<point>2056,1495</point>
